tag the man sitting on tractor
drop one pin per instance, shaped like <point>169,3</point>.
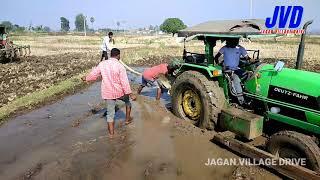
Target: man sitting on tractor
<point>232,52</point>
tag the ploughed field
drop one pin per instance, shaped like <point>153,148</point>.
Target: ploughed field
<point>33,73</point>
<point>57,58</point>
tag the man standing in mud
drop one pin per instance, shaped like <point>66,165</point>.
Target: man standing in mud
<point>114,86</point>
<point>106,45</point>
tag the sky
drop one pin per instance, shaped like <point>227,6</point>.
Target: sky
<point>142,13</point>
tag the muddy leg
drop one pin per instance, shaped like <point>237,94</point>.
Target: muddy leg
<point>111,129</point>
<point>111,103</point>
<point>126,100</point>
<point>128,113</point>
<point>140,89</point>
<point>159,91</point>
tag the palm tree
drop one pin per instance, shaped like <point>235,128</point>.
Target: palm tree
<point>92,21</point>
<point>118,24</point>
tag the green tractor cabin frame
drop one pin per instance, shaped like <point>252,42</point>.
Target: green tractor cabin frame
<point>285,103</point>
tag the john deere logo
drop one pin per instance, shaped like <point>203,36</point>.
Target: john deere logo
<point>283,17</point>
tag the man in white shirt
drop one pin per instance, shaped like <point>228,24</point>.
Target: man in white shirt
<point>106,46</point>
<point>232,52</point>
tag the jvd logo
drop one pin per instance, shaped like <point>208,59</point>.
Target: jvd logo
<point>283,13</point>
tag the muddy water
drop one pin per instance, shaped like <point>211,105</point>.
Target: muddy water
<point>66,141</point>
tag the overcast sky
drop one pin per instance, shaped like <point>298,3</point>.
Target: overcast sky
<point>141,13</point>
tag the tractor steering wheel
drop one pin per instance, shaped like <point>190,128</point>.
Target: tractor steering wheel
<point>255,62</point>
<point>245,63</point>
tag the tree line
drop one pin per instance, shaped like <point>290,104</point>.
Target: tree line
<point>17,28</point>
<point>170,25</point>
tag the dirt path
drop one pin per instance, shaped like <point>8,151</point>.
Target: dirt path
<point>66,141</point>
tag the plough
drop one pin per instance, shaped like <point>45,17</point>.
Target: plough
<point>12,52</point>
<point>9,51</point>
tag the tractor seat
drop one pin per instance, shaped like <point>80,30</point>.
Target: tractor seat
<point>195,58</point>
<point>226,69</point>
<point>189,59</point>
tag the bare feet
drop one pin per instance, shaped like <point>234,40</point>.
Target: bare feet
<point>111,136</point>
<point>128,121</point>
<point>133,97</point>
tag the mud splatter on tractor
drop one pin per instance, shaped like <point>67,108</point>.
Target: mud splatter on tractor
<point>10,51</point>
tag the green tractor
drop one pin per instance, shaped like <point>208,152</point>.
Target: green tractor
<point>283,104</point>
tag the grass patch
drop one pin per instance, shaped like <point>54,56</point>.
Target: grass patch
<point>41,96</point>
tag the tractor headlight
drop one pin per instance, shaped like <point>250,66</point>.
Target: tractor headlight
<point>258,75</point>
<point>216,73</point>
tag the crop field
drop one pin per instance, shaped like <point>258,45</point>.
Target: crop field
<point>56,58</point>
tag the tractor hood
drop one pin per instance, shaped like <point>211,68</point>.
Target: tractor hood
<point>296,87</point>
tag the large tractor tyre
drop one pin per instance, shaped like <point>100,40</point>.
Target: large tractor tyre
<point>197,99</point>
<point>291,144</point>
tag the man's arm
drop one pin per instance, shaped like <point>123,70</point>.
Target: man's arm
<point>220,52</point>
<point>244,53</point>
<point>103,42</point>
<point>216,58</point>
<point>93,75</point>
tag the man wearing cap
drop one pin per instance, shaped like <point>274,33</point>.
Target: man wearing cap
<point>151,75</point>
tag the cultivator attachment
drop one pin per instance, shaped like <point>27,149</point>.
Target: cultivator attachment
<point>8,51</point>
<point>12,52</point>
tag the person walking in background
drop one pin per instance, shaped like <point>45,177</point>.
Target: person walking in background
<point>106,45</point>
<point>115,86</point>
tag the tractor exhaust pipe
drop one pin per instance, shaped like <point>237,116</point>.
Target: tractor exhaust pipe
<point>301,45</point>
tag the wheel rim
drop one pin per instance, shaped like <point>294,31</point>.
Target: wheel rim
<point>290,153</point>
<point>285,152</point>
<point>191,104</point>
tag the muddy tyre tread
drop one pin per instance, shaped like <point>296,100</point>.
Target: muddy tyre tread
<point>213,95</point>
<point>311,149</point>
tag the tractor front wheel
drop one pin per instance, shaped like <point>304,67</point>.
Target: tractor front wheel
<point>294,145</point>
<point>197,99</point>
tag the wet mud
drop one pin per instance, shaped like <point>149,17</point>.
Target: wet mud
<point>67,140</point>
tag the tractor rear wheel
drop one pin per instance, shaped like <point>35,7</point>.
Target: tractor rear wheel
<point>294,145</point>
<point>197,99</point>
